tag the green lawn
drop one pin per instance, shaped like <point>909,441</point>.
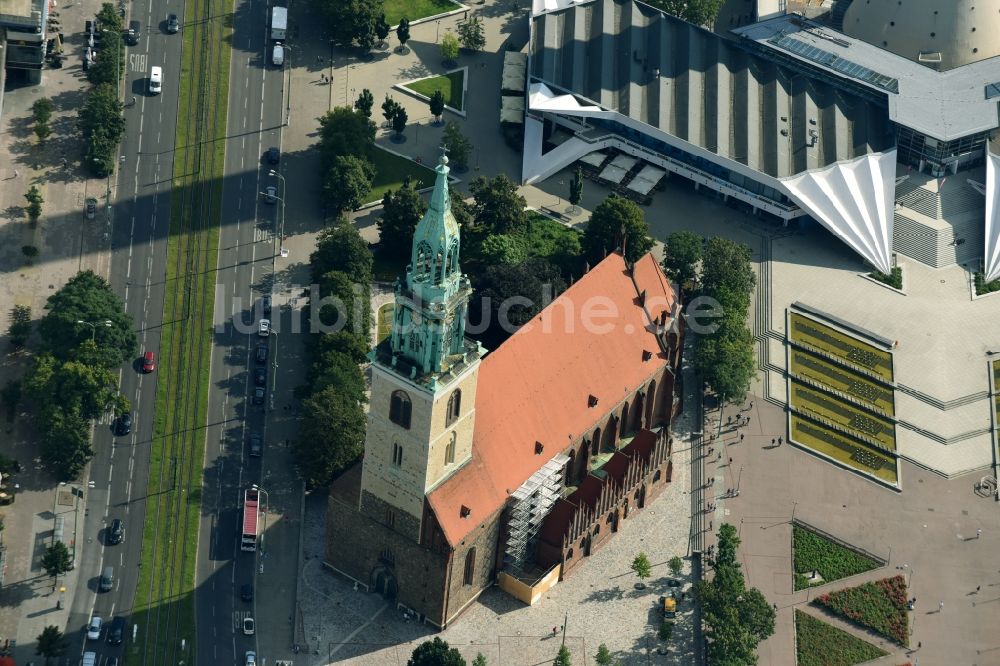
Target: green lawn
<point>820,644</point>
<point>879,605</point>
<point>832,561</point>
<point>853,352</point>
<point>451,84</point>
<point>414,9</point>
<point>391,170</point>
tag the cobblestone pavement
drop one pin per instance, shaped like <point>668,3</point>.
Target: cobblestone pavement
<point>599,599</point>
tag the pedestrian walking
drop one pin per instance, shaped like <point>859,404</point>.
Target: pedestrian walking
<point>779,441</point>
<point>729,418</point>
<point>979,533</point>
<point>711,450</point>
<point>751,405</point>
<point>978,587</point>
<point>730,461</point>
<point>940,606</point>
<point>710,526</point>
<point>15,173</point>
<point>920,644</point>
<point>773,441</point>
<point>554,631</point>
<point>747,421</point>
<point>741,436</point>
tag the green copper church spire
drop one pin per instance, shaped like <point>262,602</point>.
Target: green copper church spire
<point>431,304</point>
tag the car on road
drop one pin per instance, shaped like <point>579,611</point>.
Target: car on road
<point>90,207</point>
<point>259,377</point>
<point>246,592</point>
<point>155,80</point>
<point>270,194</point>
<point>265,305</point>
<point>116,631</point>
<point>273,155</point>
<point>248,626</point>
<point>123,424</point>
<point>133,33</point>
<point>262,353</point>
<point>251,658</point>
<point>173,24</point>
<point>149,361</point>
<point>258,395</point>
<point>116,533</point>
<point>256,446</point>
<point>264,328</point>
<point>94,628</point>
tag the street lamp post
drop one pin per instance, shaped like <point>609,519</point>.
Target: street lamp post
<point>288,102</point>
<point>93,326</point>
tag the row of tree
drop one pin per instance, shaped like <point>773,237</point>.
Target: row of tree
<point>101,119</point>
<point>736,619</point>
<point>698,12</point>
<point>437,652</point>
<point>332,428</point>
<point>84,337</point>
<point>363,23</point>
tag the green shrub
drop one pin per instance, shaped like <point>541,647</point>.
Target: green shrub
<point>983,287</point>
<point>878,605</point>
<point>832,561</point>
<point>893,279</point>
<point>819,644</point>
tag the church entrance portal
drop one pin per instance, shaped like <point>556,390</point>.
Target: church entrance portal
<point>384,582</point>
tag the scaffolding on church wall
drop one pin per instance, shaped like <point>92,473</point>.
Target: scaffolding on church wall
<point>529,505</point>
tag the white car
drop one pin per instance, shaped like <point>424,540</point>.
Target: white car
<point>155,80</point>
<point>264,328</point>
<point>251,658</point>
<point>94,629</point>
<point>248,626</point>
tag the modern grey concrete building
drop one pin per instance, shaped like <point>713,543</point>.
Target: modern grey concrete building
<point>876,121</point>
<point>24,28</point>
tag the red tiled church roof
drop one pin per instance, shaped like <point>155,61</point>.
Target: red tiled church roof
<point>536,386</point>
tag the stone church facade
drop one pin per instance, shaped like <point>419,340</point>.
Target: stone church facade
<point>479,464</point>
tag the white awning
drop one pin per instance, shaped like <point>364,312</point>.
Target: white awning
<point>594,159</point>
<point>625,162</point>
<point>613,174</point>
<point>651,173</point>
<point>641,185</point>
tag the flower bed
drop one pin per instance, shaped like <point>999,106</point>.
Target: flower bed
<point>819,644</point>
<point>879,606</point>
<point>832,561</point>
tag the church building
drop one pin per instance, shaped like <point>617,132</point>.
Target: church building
<point>511,467</point>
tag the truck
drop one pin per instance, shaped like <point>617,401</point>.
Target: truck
<point>251,506</point>
<point>279,23</point>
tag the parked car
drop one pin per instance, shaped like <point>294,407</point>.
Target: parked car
<point>133,33</point>
<point>273,155</point>
<point>173,24</point>
<point>246,592</point>
<point>259,377</point>
<point>271,194</point>
<point>248,626</point>
<point>256,446</point>
<point>258,395</point>
<point>264,328</point>
<point>116,533</point>
<point>123,425</point>
<point>94,628</point>
<point>265,305</point>
<point>262,353</point>
<point>90,207</point>
<point>251,658</point>
<point>148,361</point>
<point>116,631</point>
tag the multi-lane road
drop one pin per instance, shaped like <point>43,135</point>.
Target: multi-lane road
<point>141,218</point>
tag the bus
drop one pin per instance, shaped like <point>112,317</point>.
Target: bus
<point>251,503</point>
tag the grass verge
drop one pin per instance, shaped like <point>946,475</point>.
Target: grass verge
<point>391,170</point>
<point>830,560</point>
<point>414,9</point>
<point>851,350</point>
<point>839,378</point>
<point>819,644</point>
<point>858,423</point>
<point>878,605</point>
<point>164,605</point>
<point>452,85</point>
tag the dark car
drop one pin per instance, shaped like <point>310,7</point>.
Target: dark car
<point>273,155</point>
<point>262,353</point>
<point>259,377</point>
<point>256,446</point>
<point>246,592</point>
<point>116,533</point>
<point>258,395</point>
<point>265,305</point>
<point>123,424</point>
<point>133,33</point>
<point>116,631</point>
<point>173,23</point>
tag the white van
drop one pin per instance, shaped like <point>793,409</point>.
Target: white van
<point>155,80</point>
<point>89,659</point>
<point>278,55</point>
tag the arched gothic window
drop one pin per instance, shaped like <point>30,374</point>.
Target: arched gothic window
<point>453,257</point>
<point>400,409</point>
<point>454,406</point>
<point>470,566</point>
<point>439,266</point>
<point>449,451</point>
<point>423,268</point>
<point>397,454</point>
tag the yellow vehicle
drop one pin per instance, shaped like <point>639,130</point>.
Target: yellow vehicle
<point>668,605</point>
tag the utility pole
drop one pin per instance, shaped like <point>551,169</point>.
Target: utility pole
<point>565,623</point>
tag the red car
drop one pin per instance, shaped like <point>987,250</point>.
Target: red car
<point>148,362</point>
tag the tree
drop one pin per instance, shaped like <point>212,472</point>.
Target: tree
<point>616,224</point>
<point>108,68</point>
<point>20,325</point>
<point>471,34</point>
<point>563,657</point>
<point>341,248</point>
<point>576,187</point>
<point>389,107</point>
<point>603,656</point>
<point>50,643</point>
<point>345,304</point>
<point>87,297</point>
<point>680,256</point>
<point>331,435</point>
<point>87,389</point>
<point>499,207</point>
<point>401,210</point>
<point>348,20</point>
<point>449,47</point>
<point>102,123</point>
<point>507,297</point>
<point>56,561</point>
<point>366,39</point>
<point>65,445</point>
<point>435,652</point>
<point>399,119</point>
<point>403,32</point>
<point>348,182</point>
<point>480,660</point>
<point>42,131</point>
<point>698,12</point>
<point>345,132</point>
<point>675,564</point>
<point>365,102</point>
<point>726,272</point>
<point>666,630</point>
<point>41,111</point>
<point>382,28</point>
<point>35,202</point>
<point>10,398</point>
<point>436,104</point>
<point>502,249</point>
<point>642,568</point>
<point>458,146</point>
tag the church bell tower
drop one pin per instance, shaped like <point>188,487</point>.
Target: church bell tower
<point>423,394</point>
